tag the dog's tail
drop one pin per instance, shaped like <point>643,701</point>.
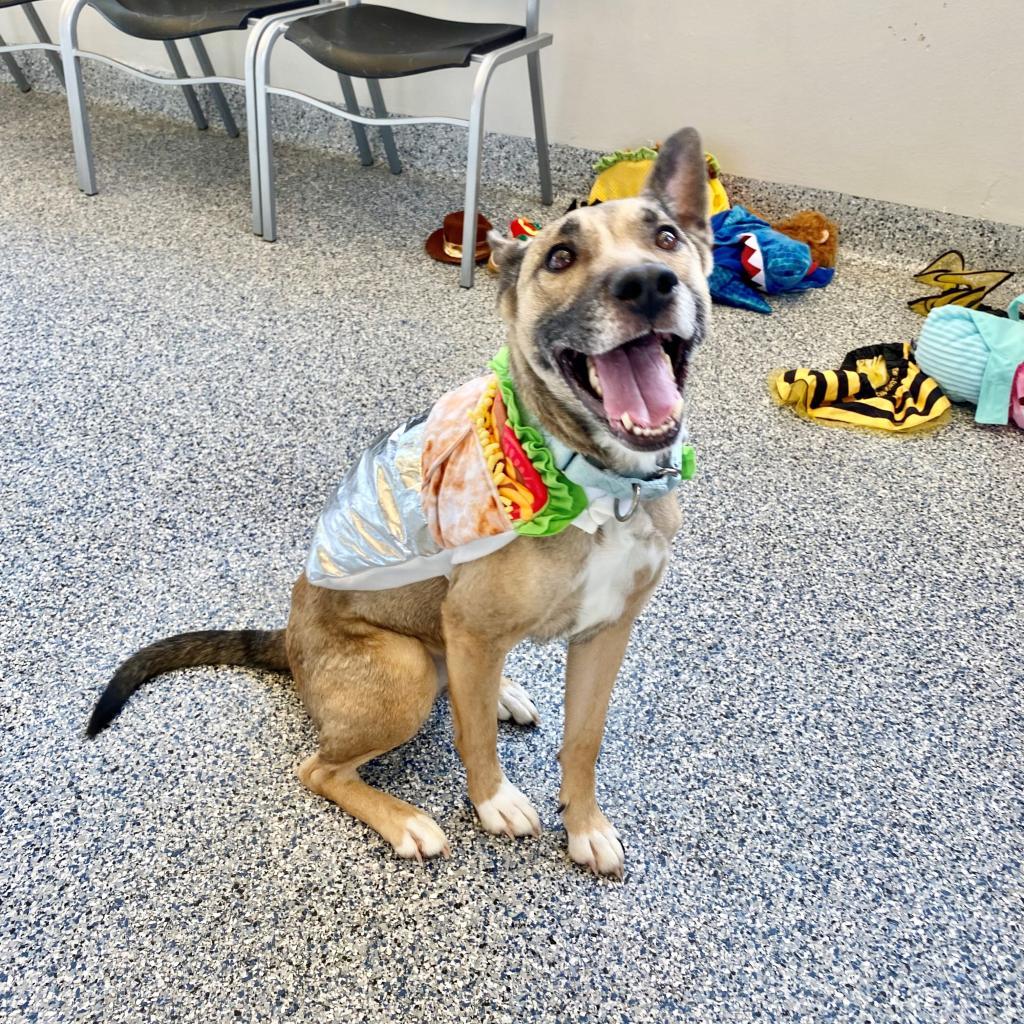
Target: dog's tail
<point>253,648</point>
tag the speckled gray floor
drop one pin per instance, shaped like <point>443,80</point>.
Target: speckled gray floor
<point>815,753</point>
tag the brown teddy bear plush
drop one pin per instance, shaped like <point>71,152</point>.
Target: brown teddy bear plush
<point>814,228</point>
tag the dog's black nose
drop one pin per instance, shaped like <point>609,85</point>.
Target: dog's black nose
<point>647,288</point>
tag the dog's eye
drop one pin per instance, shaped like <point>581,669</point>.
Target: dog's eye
<point>667,239</point>
<point>560,258</point>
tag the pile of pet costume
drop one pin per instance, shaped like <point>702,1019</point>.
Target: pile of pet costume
<point>966,352</point>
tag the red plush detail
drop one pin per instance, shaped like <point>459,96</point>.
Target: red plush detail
<point>522,228</point>
<point>528,476</point>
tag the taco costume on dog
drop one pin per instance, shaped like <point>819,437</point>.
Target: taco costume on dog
<point>461,481</point>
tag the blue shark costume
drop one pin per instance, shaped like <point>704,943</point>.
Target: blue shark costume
<point>752,260</point>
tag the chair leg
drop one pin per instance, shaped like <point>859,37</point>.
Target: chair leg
<point>264,136</point>
<point>540,127</point>
<point>251,125</point>
<point>348,91</point>
<point>386,135</point>
<point>15,69</point>
<point>219,99</point>
<point>44,37</point>
<point>265,142</point>
<point>190,94</point>
<point>476,142</point>
<point>81,137</point>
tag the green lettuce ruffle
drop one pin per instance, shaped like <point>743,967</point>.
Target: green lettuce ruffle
<point>625,156</point>
<point>566,500</point>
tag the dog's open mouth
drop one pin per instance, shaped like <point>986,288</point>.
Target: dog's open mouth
<point>636,387</point>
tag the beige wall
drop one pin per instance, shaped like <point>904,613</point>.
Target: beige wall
<point>916,101</point>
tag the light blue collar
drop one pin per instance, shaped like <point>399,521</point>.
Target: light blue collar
<point>680,465</point>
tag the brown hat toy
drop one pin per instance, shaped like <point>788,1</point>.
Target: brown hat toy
<point>445,244</point>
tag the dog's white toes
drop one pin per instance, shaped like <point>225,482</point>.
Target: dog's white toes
<point>422,839</point>
<point>508,813</point>
<point>599,849</point>
<point>514,703</point>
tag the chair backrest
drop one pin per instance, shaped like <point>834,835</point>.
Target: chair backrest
<point>532,14</point>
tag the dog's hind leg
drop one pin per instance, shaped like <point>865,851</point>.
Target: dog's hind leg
<point>368,692</point>
<point>412,833</point>
<point>514,704</point>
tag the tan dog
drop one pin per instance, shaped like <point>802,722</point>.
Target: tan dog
<point>617,288</point>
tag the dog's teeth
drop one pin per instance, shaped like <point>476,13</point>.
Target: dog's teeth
<point>677,409</point>
<point>667,358</point>
<point>659,431</point>
<point>595,380</point>
<point>635,428</point>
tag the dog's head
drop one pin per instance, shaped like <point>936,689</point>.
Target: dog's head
<point>604,307</point>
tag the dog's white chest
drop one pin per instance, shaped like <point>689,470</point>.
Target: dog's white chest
<point>625,556</point>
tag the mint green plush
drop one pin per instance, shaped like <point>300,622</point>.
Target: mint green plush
<point>973,355</point>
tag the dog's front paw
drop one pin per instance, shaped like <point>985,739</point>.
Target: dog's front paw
<point>508,813</point>
<point>597,846</point>
<point>514,702</point>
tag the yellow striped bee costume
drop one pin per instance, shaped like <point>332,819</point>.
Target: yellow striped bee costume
<point>878,387</point>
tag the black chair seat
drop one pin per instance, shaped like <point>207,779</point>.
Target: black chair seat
<point>180,19</point>
<point>368,41</point>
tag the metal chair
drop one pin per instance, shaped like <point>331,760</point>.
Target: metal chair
<point>167,21</point>
<point>45,44</point>
<point>368,41</point>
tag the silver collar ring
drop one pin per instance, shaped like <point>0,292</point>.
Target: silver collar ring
<point>634,505</point>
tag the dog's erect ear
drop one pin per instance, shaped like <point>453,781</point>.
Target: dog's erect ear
<point>508,256</point>
<point>679,181</point>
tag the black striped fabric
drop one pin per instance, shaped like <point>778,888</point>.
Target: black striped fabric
<point>878,387</point>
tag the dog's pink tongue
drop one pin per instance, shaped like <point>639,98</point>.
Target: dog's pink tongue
<point>636,379</point>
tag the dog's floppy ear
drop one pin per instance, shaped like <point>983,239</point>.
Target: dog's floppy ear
<point>679,181</point>
<point>508,256</point>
